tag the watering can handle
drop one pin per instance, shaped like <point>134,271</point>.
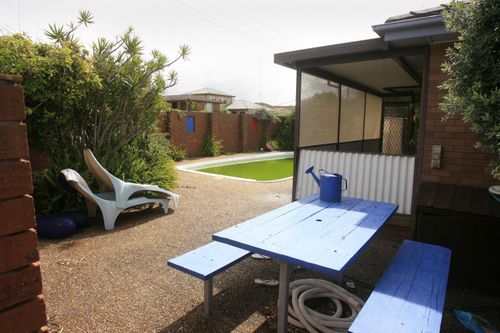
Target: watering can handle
<point>344,189</point>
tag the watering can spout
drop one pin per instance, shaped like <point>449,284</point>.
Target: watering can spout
<point>310,171</point>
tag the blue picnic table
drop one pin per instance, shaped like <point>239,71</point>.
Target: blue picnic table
<point>320,236</point>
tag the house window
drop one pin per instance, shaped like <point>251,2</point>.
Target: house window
<point>209,107</point>
<point>190,124</point>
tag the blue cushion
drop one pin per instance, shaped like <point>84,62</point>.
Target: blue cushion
<point>51,226</point>
<point>81,219</point>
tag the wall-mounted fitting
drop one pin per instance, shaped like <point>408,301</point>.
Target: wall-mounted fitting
<point>437,151</point>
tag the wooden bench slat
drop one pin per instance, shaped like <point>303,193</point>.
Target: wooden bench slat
<point>411,294</point>
<point>208,260</point>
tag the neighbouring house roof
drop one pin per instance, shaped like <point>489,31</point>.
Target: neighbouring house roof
<point>187,97</point>
<point>278,110</point>
<point>266,105</point>
<point>208,91</point>
<point>240,104</point>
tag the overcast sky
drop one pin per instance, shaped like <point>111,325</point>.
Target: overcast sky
<point>232,41</point>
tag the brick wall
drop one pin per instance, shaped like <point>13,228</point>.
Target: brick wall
<point>179,136</point>
<point>237,132</point>
<point>461,163</point>
<point>256,137</point>
<point>22,308</point>
<point>226,128</point>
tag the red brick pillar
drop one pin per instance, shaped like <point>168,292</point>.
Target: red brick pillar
<point>244,131</point>
<point>22,308</point>
<point>214,121</point>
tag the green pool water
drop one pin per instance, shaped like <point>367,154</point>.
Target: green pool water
<point>260,170</point>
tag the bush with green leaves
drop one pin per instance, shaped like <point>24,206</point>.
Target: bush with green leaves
<point>211,146</point>
<point>473,69</point>
<point>284,137</point>
<point>177,153</point>
<point>107,99</point>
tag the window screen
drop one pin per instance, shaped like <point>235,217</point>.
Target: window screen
<point>319,107</point>
<point>351,114</point>
<point>373,117</point>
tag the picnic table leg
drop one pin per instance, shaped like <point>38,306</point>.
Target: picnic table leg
<point>208,297</point>
<point>283,298</point>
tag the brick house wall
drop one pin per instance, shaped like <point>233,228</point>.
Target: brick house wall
<point>22,308</point>
<point>237,132</point>
<point>461,163</point>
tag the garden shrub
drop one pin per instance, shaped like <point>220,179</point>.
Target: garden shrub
<point>211,146</point>
<point>274,144</point>
<point>284,137</point>
<point>473,84</point>
<point>107,99</point>
<point>176,153</point>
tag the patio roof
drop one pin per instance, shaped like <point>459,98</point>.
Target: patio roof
<point>388,64</point>
<point>370,65</point>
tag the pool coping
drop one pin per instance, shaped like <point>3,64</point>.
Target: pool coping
<point>235,160</point>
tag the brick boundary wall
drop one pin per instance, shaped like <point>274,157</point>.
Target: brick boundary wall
<point>461,163</point>
<point>22,307</point>
<point>237,132</point>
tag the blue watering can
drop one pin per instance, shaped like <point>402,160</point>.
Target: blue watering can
<point>330,185</point>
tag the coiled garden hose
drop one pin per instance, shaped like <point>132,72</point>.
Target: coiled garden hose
<point>302,316</point>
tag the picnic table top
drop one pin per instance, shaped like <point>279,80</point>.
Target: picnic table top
<point>317,235</point>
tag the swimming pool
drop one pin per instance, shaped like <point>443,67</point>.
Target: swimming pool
<point>266,167</point>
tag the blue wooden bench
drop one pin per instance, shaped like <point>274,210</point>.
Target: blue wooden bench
<point>410,295</point>
<point>207,261</point>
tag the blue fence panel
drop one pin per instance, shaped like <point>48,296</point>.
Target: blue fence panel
<point>190,124</point>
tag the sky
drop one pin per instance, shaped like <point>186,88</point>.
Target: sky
<point>232,42</point>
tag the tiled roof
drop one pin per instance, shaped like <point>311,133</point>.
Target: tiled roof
<point>418,13</point>
<point>208,91</point>
<point>240,104</point>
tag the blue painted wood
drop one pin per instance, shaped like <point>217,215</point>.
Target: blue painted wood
<point>207,261</point>
<point>317,235</point>
<point>190,124</point>
<point>410,295</point>
<point>281,212</point>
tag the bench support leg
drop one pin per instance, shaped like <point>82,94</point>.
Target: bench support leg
<point>208,306</point>
<point>283,298</point>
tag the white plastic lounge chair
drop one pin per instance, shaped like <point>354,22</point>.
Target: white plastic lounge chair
<point>106,200</point>
<point>123,190</point>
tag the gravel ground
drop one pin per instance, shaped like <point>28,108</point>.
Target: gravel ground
<point>117,281</point>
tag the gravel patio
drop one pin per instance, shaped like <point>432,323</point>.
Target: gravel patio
<point>118,281</point>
